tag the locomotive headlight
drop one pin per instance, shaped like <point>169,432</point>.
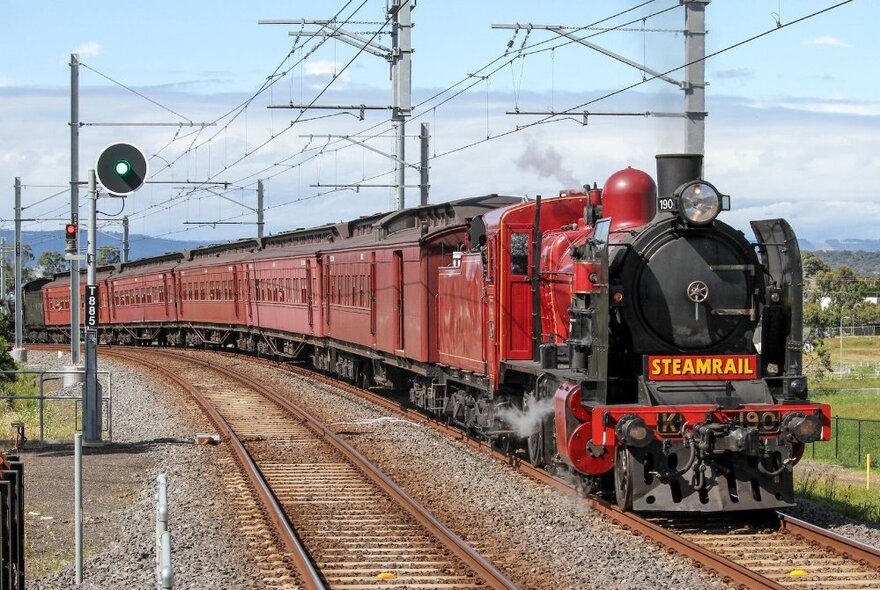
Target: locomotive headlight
<point>698,202</point>
<point>804,429</point>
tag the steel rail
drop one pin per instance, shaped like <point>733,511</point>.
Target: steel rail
<point>849,548</point>
<point>723,566</point>
<point>455,544</point>
<point>311,579</point>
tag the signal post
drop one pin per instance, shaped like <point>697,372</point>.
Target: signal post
<point>121,169</point>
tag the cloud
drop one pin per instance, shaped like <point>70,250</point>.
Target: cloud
<point>735,73</point>
<point>829,41</point>
<point>326,68</point>
<point>90,49</point>
<point>798,158</point>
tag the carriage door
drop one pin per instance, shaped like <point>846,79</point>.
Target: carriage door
<point>307,295</point>
<point>372,298</point>
<point>397,294</point>
<point>517,305</point>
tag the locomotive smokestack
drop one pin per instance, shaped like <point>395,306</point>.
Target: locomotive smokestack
<point>673,170</point>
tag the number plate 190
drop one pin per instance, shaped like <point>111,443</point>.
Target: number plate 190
<point>666,204</point>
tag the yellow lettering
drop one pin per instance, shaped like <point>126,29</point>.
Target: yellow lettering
<point>716,366</point>
<point>688,368</point>
<point>729,367</point>
<point>655,366</point>
<point>676,366</point>
<point>704,366</point>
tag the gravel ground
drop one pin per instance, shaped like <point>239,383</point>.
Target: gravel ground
<point>153,427</point>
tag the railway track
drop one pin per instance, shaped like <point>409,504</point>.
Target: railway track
<point>781,549</point>
<point>346,525</point>
<point>767,550</point>
<point>774,552</point>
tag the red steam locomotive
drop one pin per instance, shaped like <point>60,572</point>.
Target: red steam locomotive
<point>623,333</point>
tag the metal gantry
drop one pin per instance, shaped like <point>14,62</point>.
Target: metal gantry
<point>694,86</point>
<point>399,56</point>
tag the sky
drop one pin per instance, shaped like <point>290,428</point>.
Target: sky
<point>793,128</point>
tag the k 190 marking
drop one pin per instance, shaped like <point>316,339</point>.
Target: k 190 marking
<point>766,420</point>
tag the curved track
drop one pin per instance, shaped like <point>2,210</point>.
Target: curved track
<point>767,550</point>
<point>780,552</point>
<point>346,524</point>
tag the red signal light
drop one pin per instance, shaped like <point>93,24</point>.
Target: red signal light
<point>70,240</point>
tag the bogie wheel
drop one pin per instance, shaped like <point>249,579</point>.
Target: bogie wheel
<point>623,478</point>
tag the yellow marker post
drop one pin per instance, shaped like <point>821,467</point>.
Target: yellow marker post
<point>868,472</point>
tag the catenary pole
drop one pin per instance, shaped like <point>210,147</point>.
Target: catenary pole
<point>401,88</point>
<point>125,248</point>
<point>74,208</point>
<point>424,138</point>
<point>695,91</point>
<point>260,223</point>
<point>19,354</point>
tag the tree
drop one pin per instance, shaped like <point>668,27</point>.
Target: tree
<point>27,273</point>
<point>108,255</point>
<point>51,263</point>
<point>813,265</point>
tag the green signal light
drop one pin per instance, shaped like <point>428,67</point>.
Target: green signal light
<point>122,167</point>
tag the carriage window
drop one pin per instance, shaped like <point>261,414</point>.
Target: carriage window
<point>519,253</point>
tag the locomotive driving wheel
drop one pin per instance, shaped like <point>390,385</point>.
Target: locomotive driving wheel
<point>540,442</point>
<point>623,478</point>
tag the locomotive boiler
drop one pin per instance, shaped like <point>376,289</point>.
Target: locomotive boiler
<point>623,334</point>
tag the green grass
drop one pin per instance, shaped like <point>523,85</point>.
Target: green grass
<point>840,491</point>
<point>854,396</point>
<point>59,416</point>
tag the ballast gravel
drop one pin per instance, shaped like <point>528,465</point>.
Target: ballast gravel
<point>153,429</point>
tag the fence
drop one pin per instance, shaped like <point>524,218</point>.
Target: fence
<point>12,547</point>
<point>851,440</point>
<point>64,418</point>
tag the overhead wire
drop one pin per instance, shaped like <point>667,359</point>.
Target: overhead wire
<point>475,79</point>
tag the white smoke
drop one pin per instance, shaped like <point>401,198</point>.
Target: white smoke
<point>526,422</point>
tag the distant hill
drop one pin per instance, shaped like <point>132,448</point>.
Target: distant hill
<point>862,262</point>
<point>141,246</point>
<point>837,244</point>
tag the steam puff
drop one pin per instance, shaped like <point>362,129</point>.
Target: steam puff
<point>547,164</point>
<point>526,422</point>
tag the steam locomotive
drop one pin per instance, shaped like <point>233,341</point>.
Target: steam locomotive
<point>623,334</point>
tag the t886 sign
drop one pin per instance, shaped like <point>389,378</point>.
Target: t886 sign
<point>701,367</point>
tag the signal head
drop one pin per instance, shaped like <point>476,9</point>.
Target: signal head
<point>121,168</point>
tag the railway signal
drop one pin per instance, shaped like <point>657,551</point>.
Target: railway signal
<point>70,238</point>
<point>121,168</point>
